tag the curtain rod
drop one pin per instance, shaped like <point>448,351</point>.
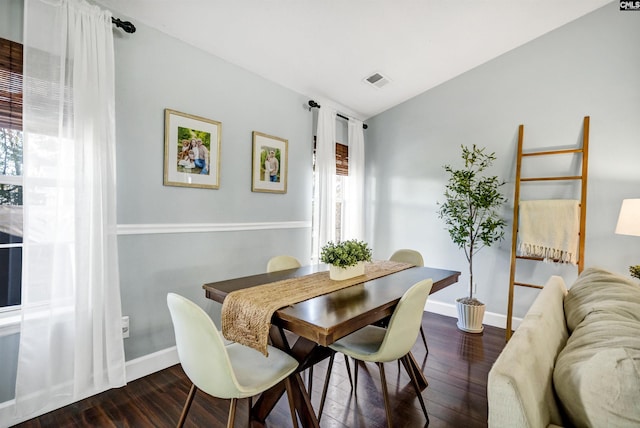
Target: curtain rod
<point>125,25</point>
<point>313,104</point>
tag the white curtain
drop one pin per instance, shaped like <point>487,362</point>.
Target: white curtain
<point>324,199</point>
<point>70,338</point>
<point>354,189</point>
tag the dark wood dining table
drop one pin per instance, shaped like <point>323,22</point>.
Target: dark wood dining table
<point>318,322</point>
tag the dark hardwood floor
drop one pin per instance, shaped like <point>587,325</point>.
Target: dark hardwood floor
<point>456,369</point>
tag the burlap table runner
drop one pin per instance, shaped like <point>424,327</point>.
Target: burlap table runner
<point>246,314</point>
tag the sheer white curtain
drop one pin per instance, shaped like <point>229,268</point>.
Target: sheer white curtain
<point>324,198</point>
<point>70,338</point>
<point>354,191</point>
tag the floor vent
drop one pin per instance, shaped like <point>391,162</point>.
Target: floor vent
<point>377,80</point>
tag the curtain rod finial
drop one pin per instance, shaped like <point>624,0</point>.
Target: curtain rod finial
<point>125,25</point>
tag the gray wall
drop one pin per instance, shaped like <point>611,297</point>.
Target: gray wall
<point>585,68</point>
<point>154,72</point>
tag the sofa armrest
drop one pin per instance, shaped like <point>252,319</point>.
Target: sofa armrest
<point>520,385</point>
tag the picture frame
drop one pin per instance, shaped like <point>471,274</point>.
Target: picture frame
<point>191,150</point>
<point>270,163</point>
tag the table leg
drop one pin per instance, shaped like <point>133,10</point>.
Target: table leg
<point>307,355</point>
<point>422,381</point>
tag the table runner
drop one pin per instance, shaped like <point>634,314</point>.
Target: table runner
<point>246,314</point>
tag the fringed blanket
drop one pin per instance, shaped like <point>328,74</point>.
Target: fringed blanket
<point>246,314</point>
<point>549,229</point>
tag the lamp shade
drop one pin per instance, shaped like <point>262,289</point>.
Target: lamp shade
<point>629,219</point>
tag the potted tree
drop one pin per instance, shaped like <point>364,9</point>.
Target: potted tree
<point>345,259</point>
<point>471,213</point>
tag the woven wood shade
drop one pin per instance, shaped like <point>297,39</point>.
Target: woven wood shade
<point>10,84</point>
<point>342,157</point>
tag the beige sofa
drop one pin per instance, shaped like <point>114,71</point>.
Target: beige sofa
<point>575,358</point>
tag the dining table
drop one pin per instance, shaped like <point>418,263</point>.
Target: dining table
<point>307,328</point>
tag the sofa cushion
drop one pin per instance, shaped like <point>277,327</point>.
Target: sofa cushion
<point>597,374</point>
<point>599,291</point>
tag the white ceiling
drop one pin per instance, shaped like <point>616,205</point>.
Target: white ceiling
<point>326,48</point>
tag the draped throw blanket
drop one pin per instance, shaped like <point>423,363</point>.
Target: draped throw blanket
<point>246,314</point>
<point>549,229</point>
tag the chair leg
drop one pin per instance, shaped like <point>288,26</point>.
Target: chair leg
<point>424,339</point>
<point>292,409</point>
<point>355,376</point>
<point>346,362</point>
<point>414,382</point>
<point>249,405</point>
<point>326,385</point>
<point>310,381</point>
<point>385,393</point>
<point>232,412</point>
<point>187,405</point>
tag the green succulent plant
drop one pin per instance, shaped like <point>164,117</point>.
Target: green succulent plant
<point>346,253</point>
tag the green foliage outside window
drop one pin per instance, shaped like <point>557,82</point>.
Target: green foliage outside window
<point>10,165</point>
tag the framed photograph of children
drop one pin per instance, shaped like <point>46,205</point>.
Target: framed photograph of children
<point>270,163</point>
<point>191,150</point>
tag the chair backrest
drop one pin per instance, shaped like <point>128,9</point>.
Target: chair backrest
<point>201,348</point>
<point>282,262</point>
<point>405,322</point>
<point>408,256</point>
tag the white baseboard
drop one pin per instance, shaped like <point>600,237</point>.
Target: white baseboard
<point>490,318</point>
<point>151,363</point>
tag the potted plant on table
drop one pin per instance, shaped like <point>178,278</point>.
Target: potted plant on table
<point>470,211</point>
<point>345,259</point>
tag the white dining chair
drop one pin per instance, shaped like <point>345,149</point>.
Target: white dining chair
<point>380,345</point>
<point>230,372</point>
<point>282,262</point>
<point>415,258</point>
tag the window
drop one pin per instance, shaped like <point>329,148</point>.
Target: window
<point>342,175</point>
<point>11,140</point>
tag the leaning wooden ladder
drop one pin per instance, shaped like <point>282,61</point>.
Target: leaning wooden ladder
<point>584,151</point>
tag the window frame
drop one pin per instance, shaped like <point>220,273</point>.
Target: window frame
<point>11,63</point>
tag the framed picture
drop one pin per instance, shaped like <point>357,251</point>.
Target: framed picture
<point>269,170</point>
<point>191,150</point>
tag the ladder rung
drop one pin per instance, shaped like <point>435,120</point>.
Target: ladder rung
<point>522,284</point>
<point>537,259</point>
<point>553,152</point>
<point>568,177</point>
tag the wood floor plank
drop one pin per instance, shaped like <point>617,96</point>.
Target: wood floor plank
<point>456,368</point>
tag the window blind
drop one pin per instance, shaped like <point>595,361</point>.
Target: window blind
<point>10,84</point>
<point>342,157</point>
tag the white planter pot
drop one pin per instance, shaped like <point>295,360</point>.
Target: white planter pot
<point>340,273</point>
<point>470,317</point>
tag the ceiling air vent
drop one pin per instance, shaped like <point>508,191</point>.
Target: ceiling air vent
<point>377,80</point>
